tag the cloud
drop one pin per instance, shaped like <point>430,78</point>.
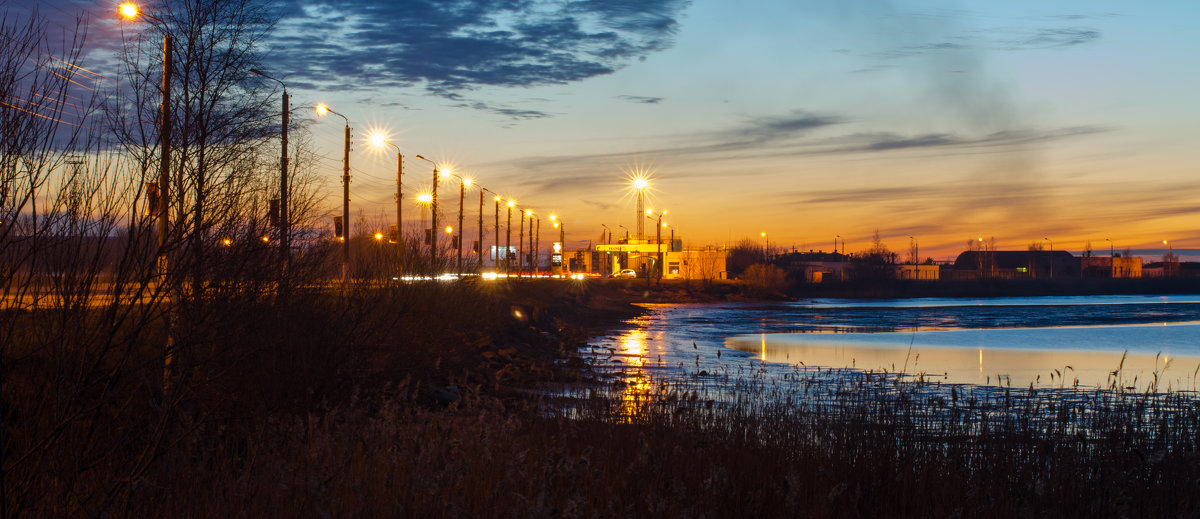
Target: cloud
<point>452,46</point>
<point>641,99</point>
<point>1048,38</point>
<point>512,113</point>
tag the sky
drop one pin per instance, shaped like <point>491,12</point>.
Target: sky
<point>940,120</point>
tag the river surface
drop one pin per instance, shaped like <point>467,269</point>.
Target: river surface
<point>1086,341</point>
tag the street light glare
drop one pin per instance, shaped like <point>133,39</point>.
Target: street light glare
<point>467,182</point>
<point>378,236</point>
<point>640,183</point>
<point>425,198</point>
<point>553,218</point>
<point>378,140</point>
<point>497,198</point>
<point>512,203</point>
<point>449,230</point>
<point>322,110</point>
<point>128,10</point>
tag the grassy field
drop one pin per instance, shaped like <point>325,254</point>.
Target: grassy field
<point>468,401</point>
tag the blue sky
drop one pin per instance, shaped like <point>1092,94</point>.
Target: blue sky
<point>805,119</point>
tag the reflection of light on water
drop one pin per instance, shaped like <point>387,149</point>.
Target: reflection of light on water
<point>634,382</point>
<point>633,345</point>
<point>764,346</point>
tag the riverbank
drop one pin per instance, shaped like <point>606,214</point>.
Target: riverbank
<point>423,401</point>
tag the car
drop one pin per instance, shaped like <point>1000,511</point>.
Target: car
<point>624,273</point>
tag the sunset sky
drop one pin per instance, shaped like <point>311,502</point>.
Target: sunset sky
<point>806,119</point>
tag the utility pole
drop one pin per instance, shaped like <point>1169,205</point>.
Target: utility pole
<point>346,208</point>
<point>164,200</point>
<point>462,192</point>
<point>479,251</point>
<point>508,238</point>
<point>400,228</point>
<point>521,244</point>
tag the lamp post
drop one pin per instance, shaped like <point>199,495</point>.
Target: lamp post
<point>463,183</point>
<point>321,111</point>
<point>130,11</point>
<point>285,252</point>
<point>479,250</point>
<point>536,246</point>
<point>521,241</point>
<point>1170,257</point>
<point>562,249</point>
<point>1051,256</point>
<point>433,212</point>
<point>766,246</point>
<point>497,231</point>
<point>379,140</point>
<point>658,240</point>
<point>640,185</point>
<point>424,199</point>
<point>1112,259</point>
<point>508,238</point>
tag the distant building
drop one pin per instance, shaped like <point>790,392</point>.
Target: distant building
<point>678,263</point>
<point>928,272</point>
<point>1111,267</point>
<point>1032,264</point>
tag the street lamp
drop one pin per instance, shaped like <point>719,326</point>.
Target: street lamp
<point>1112,259</point>
<point>562,245</point>
<point>521,239</point>
<point>379,141</point>
<point>1051,256</point>
<point>284,238</point>
<point>130,11</point>
<point>766,246</point>
<point>496,224</point>
<point>658,240</point>
<point>508,238</point>
<point>322,110</point>
<point>433,212</point>
<point>463,184</point>
<point>1170,257</point>
<point>640,184</point>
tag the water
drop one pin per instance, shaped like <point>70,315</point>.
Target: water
<point>1089,341</point>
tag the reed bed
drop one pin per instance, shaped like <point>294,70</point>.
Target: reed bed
<point>383,404</point>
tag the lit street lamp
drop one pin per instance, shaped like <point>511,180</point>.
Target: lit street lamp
<point>1170,257</point>
<point>379,140</point>
<point>766,246</point>
<point>640,184</point>
<point>131,11</point>
<point>433,212</point>
<point>321,111</point>
<point>424,199</point>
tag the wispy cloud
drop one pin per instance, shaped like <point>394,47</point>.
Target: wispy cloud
<point>641,99</point>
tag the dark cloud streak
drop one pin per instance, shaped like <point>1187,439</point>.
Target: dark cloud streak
<point>454,46</point>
